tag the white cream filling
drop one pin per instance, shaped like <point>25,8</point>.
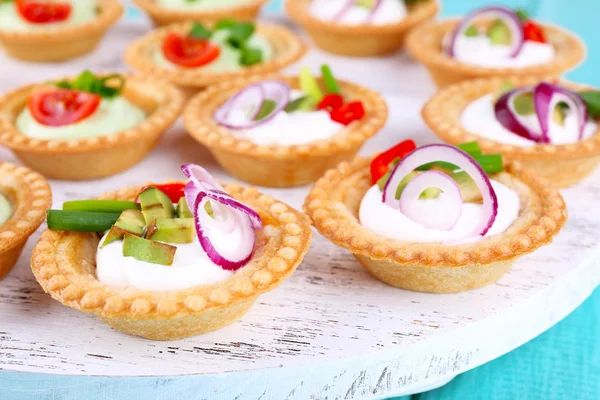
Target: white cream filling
<point>390,223</point>
<point>5,210</point>
<point>112,115</point>
<point>479,119</point>
<point>191,267</point>
<point>288,129</point>
<point>389,12</point>
<point>228,59</point>
<point>479,50</point>
<point>199,4</point>
<point>82,11</point>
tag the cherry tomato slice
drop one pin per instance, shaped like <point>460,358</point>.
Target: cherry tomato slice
<point>175,191</point>
<point>189,52</point>
<point>348,113</point>
<point>533,32</point>
<point>381,164</point>
<point>62,107</point>
<point>39,12</point>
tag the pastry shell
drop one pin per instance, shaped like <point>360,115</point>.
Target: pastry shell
<point>287,47</point>
<point>562,165</point>
<point>64,265</point>
<point>93,157</point>
<point>425,44</point>
<point>359,40</point>
<point>277,165</point>
<point>30,196</point>
<point>62,43</point>
<point>333,205</point>
<point>164,16</point>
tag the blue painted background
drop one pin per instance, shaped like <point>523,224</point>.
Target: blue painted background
<point>563,363</point>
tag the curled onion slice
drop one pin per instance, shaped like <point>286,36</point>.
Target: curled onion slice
<point>546,97</point>
<point>410,203</point>
<point>230,250</point>
<point>452,155</point>
<point>374,10</point>
<point>201,177</point>
<point>241,110</point>
<point>345,8</point>
<point>508,117</point>
<point>506,15</point>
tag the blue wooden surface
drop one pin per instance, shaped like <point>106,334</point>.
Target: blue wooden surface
<point>562,363</point>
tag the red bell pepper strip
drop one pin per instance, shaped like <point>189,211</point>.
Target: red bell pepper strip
<point>173,190</point>
<point>533,32</point>
<point>381,164</point>
<point>348,113</point>
<point>331,102</point>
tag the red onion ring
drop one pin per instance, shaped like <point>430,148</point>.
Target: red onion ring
<point>374,10</point>
<point>452,155</point>
<point>507,16</point>
<point>409,200</point>
<point>545,99</point>
<point>199,175</point>
<point>511,120</point>
<point>250,100</point>
<point>345,8</point>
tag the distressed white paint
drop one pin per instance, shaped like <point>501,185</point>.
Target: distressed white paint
<point>331,331</point>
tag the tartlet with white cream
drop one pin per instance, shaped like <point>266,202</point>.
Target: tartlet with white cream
<point>55,30</point>
<point>284,132</point>
<point>165,270</point>
<point>363,28</point>
<point>164,12</point>
<point>550,128</point>
<point>24,197</point>
<point>89,126</point>
<point>494,42</point>
<point>435,221</point>
<point>195,55</point>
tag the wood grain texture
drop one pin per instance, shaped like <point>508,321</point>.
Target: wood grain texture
<point>331,331</point>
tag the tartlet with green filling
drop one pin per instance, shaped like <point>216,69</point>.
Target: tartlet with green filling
<point>169,261</point>
<point>89,126</point>
<point>55,30</point>
<point>164,12</point>
<point>195,55</point>
<point>24,198</point>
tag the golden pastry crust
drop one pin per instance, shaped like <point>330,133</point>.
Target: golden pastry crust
<point>333,205</point>
<point>276,165</point>
<point>164,16</point>
<point>359,40</point>
<point>62,43</point>
<point>563,165</point>
<point>425,44</point>
<point>30,196</point>
<point>287,46</point>
<point>101,155</point>
<point>64,265</point>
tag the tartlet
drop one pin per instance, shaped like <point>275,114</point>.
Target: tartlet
<point>360,40</point>
<point>163,16</point>
<point>64,265</point>
<point>288,48</point>
<point>62,43</point>
<point>279,165</point>
<point>425,43</point>
<point>562,165</point>
<point>30,196</point>
<point>333,205</point>
<point>93,157</point>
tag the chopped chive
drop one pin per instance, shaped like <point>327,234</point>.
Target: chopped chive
<point>106,206</point>
<point>250,56</point>
<point>80,221</point>
<point>470,147</point>
<point>200,32</point>
<point>309,85</point>
<point>592,102</point>
<point>522,14</point>
<point>490,163</point>
<point>267,107</point>
<point>330,82</point>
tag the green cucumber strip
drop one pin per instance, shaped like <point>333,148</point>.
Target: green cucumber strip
<point>309,85</point>
<point>330,82</point>
<point>592,102</point>
<point>267,107</point>
<point>470,147</point>
<point>80,221</point>
<point>104,206</point>
<point>199,31</point>
<point>250,56</point>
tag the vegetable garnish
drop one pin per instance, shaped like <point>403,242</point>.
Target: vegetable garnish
<point>175,191</point>
<point>532,31</point>
<point>80,221</point>
<point>228,215</point>
<point>549,102</point>
<point>62,107</point>
<point>381,164</point>
<point>331,102</point>
<point>108,86</point>
<point>41,12</point>
<point>449,154</point>
<point>195,49</point>
<point>109,206</point>
<point>348,113</point>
